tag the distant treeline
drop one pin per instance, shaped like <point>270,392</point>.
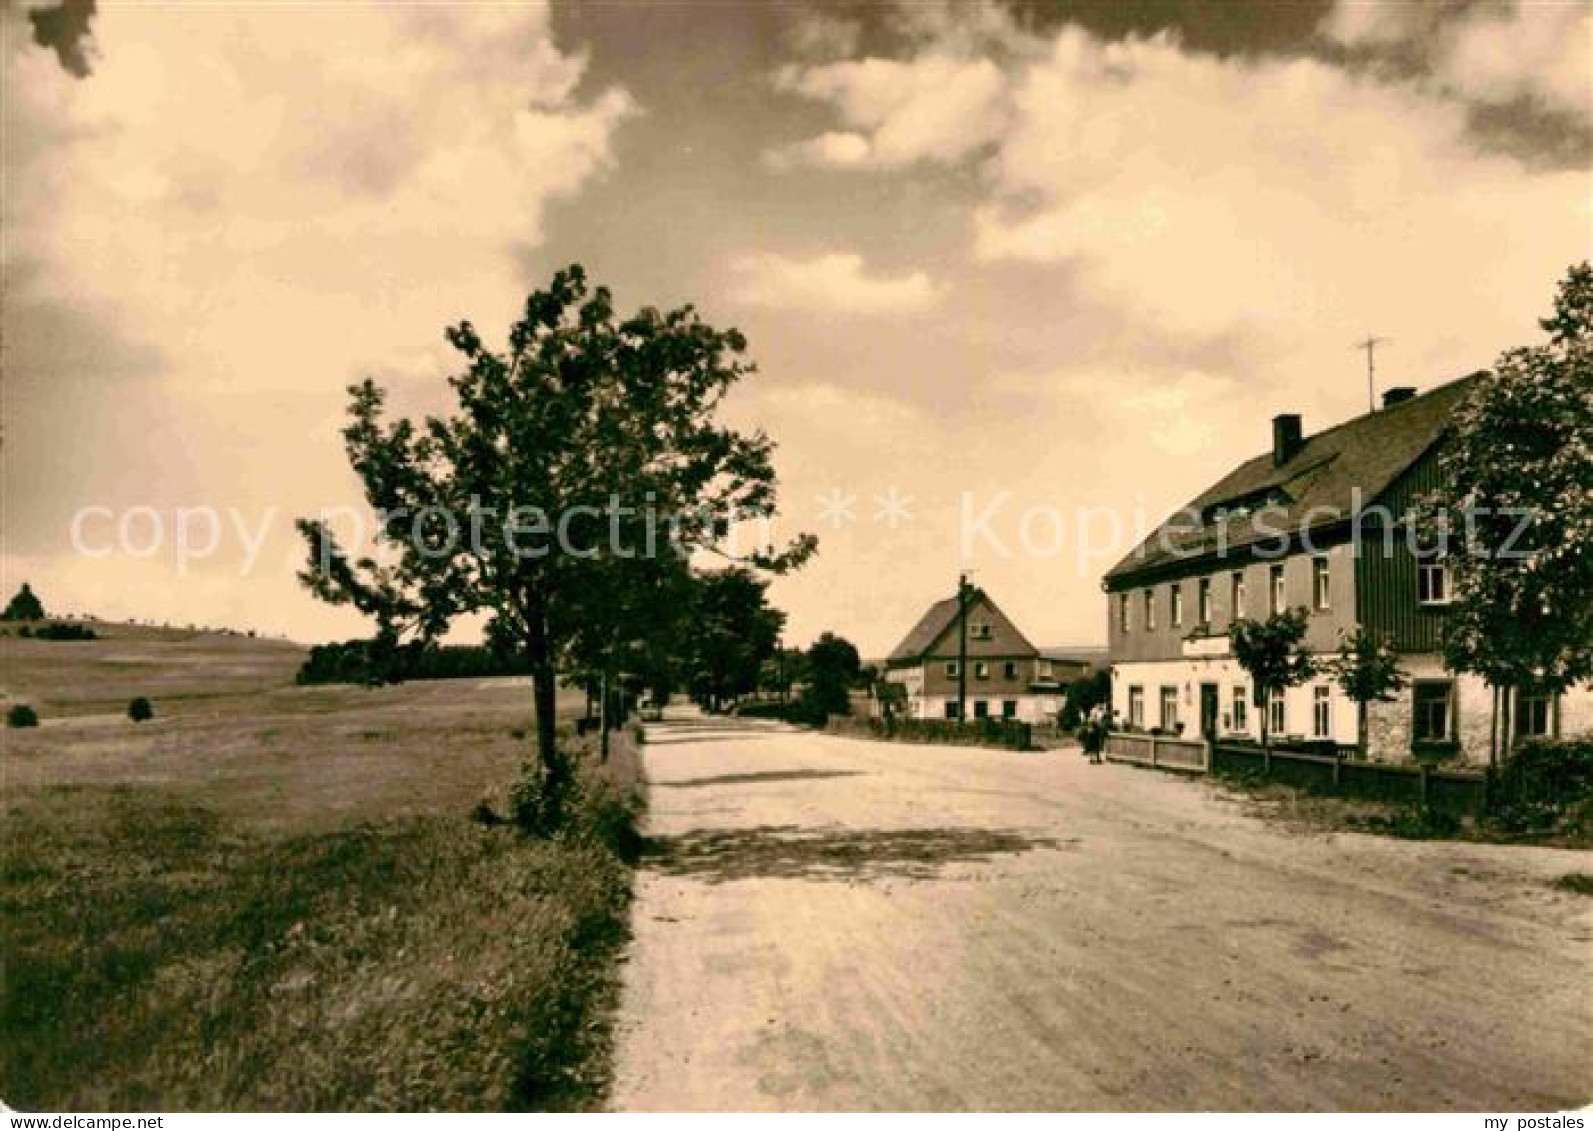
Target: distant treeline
<point>364,661</point>
<point>56,630</point>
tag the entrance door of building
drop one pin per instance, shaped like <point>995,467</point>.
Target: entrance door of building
<point>1208,710</point>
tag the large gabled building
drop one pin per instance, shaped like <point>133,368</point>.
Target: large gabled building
<point>1316,523</point>
<point>1007,677</point>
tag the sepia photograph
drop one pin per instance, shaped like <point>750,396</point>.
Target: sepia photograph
<point>796,556</point>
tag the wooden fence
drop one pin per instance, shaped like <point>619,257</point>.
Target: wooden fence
<point>1457,792</point>
<point>1159,751</point>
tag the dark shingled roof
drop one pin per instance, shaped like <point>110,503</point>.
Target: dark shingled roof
<point>936,621</point>
<point>928,629</point>
<point>1368,452</point>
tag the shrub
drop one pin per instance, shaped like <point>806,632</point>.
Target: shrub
<point>56,630</point>
<point>1410,822</point>
<point>1578,883</point>
<point>1550,771</point>
<point>22,715</point>
<point>139,710</point>
<point>609,814</point>
<point>801,712</point>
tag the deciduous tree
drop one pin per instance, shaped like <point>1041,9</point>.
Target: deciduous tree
<point>1367,670</point>
<point>1273,653</point>
<point>586,445</point>
<point>1514,515</point>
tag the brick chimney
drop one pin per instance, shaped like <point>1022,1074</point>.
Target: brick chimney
<point>1397,395</point>
<point>1286,439</point>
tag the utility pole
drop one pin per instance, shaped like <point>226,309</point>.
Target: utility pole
<point>963,592</point>
<point>1370,344</point>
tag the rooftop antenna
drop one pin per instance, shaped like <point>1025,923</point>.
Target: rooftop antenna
<point>1370,344</point>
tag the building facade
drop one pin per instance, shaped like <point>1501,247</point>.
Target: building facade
<point>1316,523</point>
<point>1007,677</point>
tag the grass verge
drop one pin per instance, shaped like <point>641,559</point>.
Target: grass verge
<point>1321,812</point>
<point>159,954</point>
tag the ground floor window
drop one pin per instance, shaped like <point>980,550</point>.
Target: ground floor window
<point>1534,715</point>
<point>1241,708</point>
<point>1009,708</point>
<point>1277,713</point>
<point>1434,701</point>
<point>1321,712</point>
<point>1136,706</point>
<point>981,709</point>
<point>1169,720</point>
<point>951,708</point>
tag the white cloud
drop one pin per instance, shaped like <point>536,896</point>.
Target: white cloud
<point>834,282</point>
<point>260,204</point>
<point>937,107</point>
<point>1490,53</point>
<point>1289,200</point>
<point>360,171</point>
<point>835,149</point>
<point>1277,198</point>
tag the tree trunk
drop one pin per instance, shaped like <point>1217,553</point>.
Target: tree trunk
<point>1266,734</point>
<point>1506,724</point>
<point>1363,730</point>
<point>1493,727</point>
<point>604,724</point>
<point>544,692</point>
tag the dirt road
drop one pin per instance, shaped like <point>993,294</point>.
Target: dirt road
<point>831,923</point>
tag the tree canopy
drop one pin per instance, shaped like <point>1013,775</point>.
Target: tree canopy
<point>1514,516</point>
<point>733,634</point>
<point>580,467</point>
<point>1273,653</point>
<point>833,667</point>
<point>24,606</point>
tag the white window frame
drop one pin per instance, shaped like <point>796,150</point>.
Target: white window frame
<point>1551,714</point>
<point>951,669</point>
<point>1449,711</point>
<point>1277,589</point>
<point>1009,669</point>
<point>1277,713</point>
<point>1136,706</point>
<point>978,630</point>
<point>1236,592</point>
<point>1123,603</point>
<point>1321,711</point>
<point>1321,584</point>
<point>1168,720</point>
<point>1425,573</point>
<point>1203,600</point>
<point>1150,610</point>
<point>1175,604</point>
<point>1241,709</point>
<point>981,670</point>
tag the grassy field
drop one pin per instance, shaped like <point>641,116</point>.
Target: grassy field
<point>273,896</point>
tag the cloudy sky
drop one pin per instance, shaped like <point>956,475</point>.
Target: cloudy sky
<point>1045,265</point>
